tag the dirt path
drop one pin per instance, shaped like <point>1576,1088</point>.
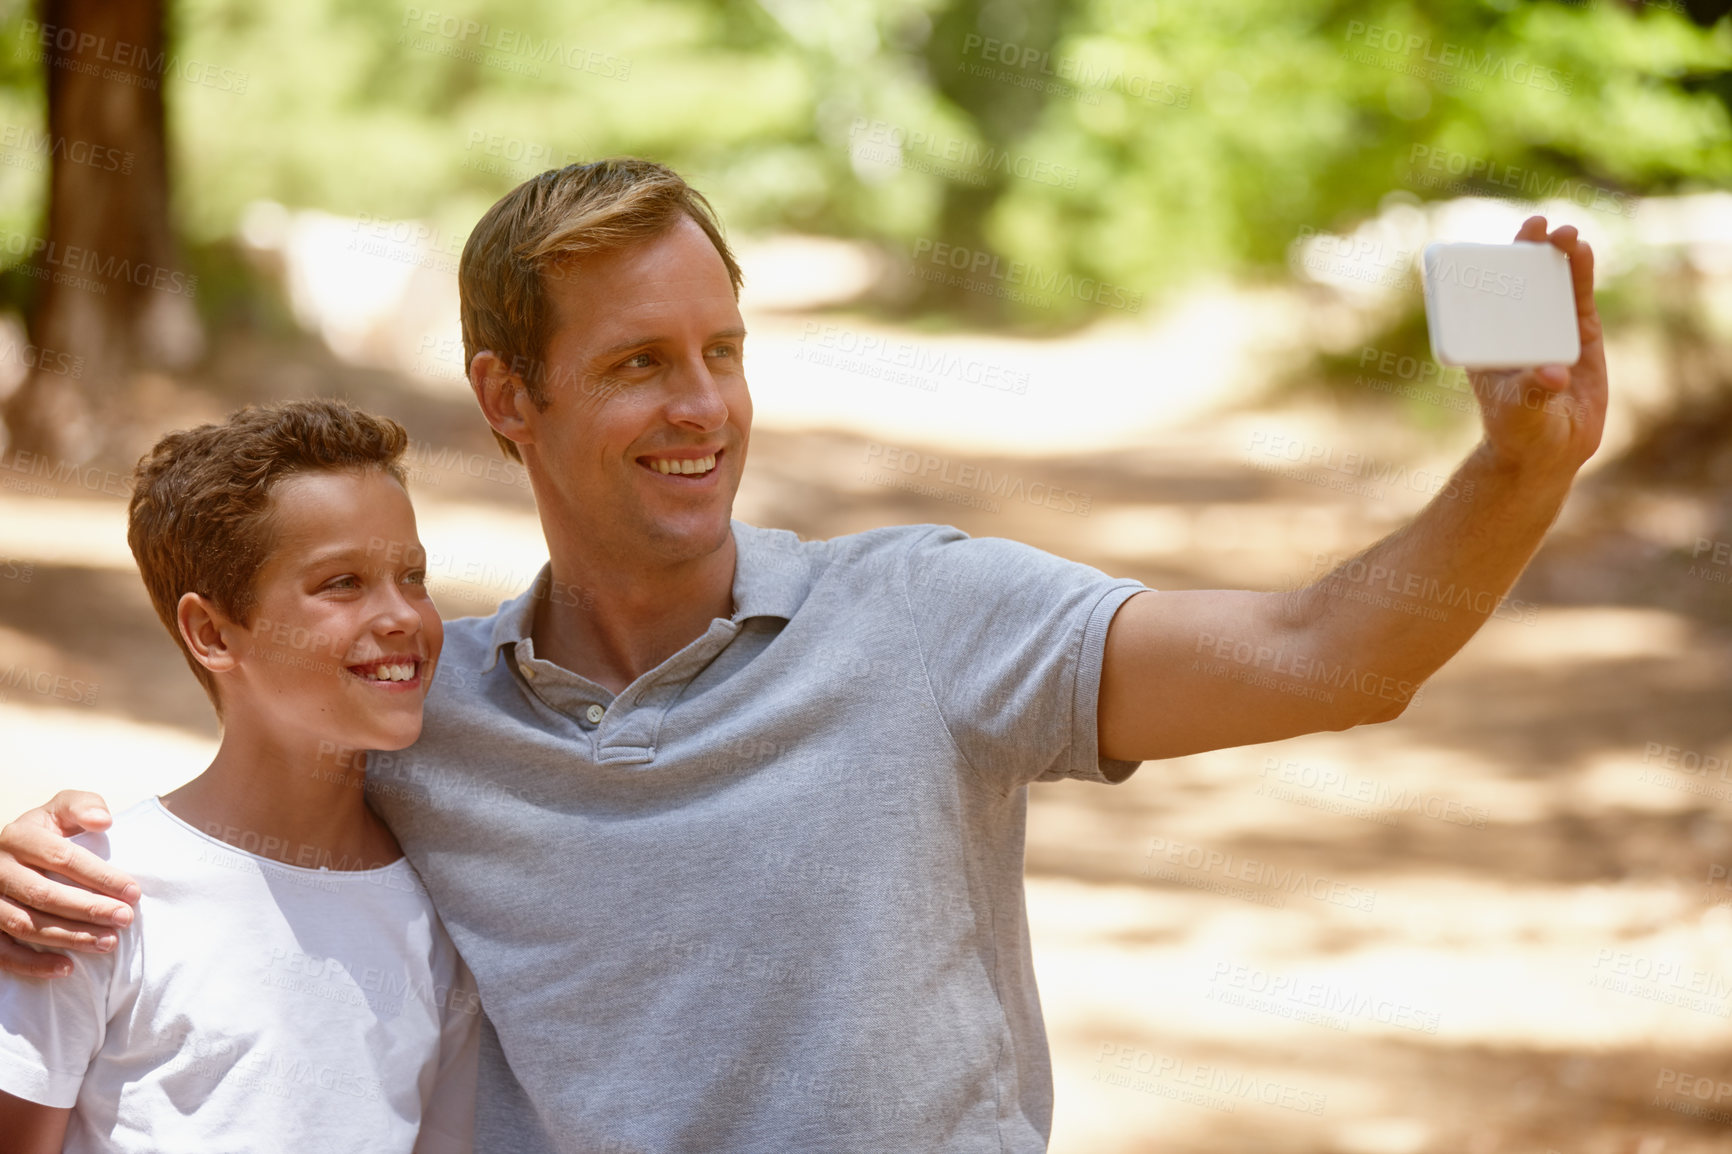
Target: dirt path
<point>1493,925</point>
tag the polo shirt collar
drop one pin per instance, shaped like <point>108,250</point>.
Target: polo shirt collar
<point>771,579</point>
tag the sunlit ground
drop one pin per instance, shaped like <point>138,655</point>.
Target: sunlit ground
<point>1492,925</point>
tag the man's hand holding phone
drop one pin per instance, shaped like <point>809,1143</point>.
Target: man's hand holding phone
<point>1542,420</point>
<point>43,913</point>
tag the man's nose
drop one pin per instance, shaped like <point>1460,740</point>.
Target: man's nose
<point>697,397</point>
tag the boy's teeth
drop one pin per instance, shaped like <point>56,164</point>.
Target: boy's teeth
<point>701,465</point>
<point>399,672</point>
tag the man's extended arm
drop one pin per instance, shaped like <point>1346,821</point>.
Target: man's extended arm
<point>1186,672</point>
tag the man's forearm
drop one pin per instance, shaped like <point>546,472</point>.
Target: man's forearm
<point>1406,605</point>
<point>1192,671</point>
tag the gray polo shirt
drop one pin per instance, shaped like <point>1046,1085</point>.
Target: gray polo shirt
<point>769,897</point>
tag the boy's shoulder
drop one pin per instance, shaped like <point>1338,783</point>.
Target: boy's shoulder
<point>144,833</point>
<point>170,860</point>
<point>174,860</point>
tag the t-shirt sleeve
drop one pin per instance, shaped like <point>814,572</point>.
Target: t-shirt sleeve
<point>52,1028</point>
<point>448,1113</point>
<point>1012,639</point>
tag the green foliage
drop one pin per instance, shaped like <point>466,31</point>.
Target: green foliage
<point>23,109</point>
<point>1306,117</point>
<point>1186,139</point>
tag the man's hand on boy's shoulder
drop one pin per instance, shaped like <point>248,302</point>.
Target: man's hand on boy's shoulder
<point>38,911</point>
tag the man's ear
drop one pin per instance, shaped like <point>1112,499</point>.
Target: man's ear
<point>502,395</point>
<point>210,636</point>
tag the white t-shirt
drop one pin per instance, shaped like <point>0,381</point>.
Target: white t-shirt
<point>251,1006</point>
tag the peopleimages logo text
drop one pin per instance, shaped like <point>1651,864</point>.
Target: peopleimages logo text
<point>1460,58</point>
<point>1043,282</point>
<point>1477,279</point>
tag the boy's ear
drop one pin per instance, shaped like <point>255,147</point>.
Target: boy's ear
<point>502,395</point>
<point>207,631</point>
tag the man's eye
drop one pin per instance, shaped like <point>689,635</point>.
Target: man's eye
<point>725,351</point>
<point>638,361</point>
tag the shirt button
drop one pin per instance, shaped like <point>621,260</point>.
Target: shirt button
<point>594,714</point>
<point>529,673</point>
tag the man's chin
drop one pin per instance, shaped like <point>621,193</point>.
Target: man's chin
<point>691,535</point>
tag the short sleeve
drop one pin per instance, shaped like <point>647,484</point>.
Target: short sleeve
<point>52,1028</point>
<point>1013,639</point>
<point>448,1114</point>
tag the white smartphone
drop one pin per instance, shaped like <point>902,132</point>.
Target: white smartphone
<point>1500,306</point>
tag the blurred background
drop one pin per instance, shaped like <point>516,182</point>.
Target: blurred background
<point>1158,258</point>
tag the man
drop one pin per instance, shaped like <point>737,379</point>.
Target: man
<point>729,825</point>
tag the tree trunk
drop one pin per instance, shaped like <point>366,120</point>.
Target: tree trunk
<point>111,296</point>
<point>1003,111</point>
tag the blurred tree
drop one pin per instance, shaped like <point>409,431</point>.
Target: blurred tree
<point>111,296</point>
<point>1002,116</point>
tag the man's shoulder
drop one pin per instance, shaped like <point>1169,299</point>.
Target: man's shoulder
<point>925,550</point>
<point>469,641</point>
<point>470,633</point>
<point>845,553</point>
<point>932,558</point>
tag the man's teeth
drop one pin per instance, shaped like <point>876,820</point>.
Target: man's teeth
<point>700,465</point>
<point>401,672</point>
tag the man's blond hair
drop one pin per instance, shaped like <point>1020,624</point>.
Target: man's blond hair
<point>542,224</point>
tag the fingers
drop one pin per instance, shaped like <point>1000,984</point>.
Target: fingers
<point>26,887</point>
<point>1568,241</point>
<point>38,842</point>
<point>39,911</point>
<point>1552,378</point>
<point>1582,273</point>
<point>1528,397</point>
<point>1581,257</point>
<point>1517,383</point>
<point>77,811</point>
<point>87,871</point>
<point>33,928</point>
<point>1533,230</point>
<point>24,962</point>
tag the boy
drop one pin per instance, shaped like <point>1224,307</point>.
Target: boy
<point>285,983</point>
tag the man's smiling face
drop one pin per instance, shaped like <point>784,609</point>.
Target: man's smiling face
<point>642,444</point>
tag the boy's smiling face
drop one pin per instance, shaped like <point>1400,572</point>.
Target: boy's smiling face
<point>343,637</point>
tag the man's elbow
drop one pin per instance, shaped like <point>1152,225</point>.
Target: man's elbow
<point>1373,710</point>
<point>1386,709</point>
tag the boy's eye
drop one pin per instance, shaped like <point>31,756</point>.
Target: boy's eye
<point>346,581</point>
<point>416,577</point>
